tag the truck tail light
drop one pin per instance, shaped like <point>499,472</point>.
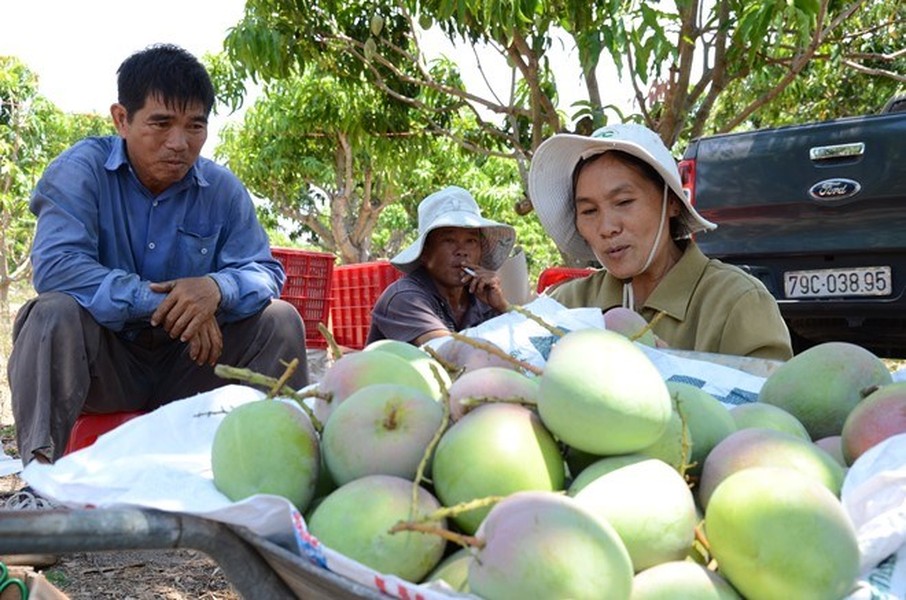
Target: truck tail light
<point>687,177</point>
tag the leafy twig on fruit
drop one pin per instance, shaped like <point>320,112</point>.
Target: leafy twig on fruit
<point>701,539</point>
<point>468,541</point>
<point>530,315</point>
<point>492,349</point>
<point>427,523</point>
<point>435,439</point>
<point>456,509</point>
<point>685,442</point>
<point>278,385</point>
<point>447,365</point>
<point>265,381</point>
<point>335,351</point>
<point>701,555</point>
<point>647,327</point>
<point>473,401</point>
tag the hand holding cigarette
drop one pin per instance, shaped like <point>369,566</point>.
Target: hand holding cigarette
<point>486,285</point>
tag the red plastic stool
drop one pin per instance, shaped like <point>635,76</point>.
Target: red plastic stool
<point>87,428</point>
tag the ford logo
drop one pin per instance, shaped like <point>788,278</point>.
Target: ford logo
<point>834,189</point>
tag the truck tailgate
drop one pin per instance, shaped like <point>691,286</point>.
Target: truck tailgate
<point>775,188</point>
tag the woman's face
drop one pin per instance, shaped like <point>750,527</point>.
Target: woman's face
<point>618,211</point>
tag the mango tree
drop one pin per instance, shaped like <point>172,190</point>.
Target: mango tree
<point>32,132</point>
<point>678,58</point>
<point>344,167</point>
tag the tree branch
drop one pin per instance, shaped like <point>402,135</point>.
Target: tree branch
<point>719,75</point>
<point>798,63</point>
<point>889,57</point>
<point>677,97</point>
<point>352,46</point>
<point>381,84</point>
<point>874,71</point>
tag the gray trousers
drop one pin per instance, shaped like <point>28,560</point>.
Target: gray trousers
<point>64,363</point>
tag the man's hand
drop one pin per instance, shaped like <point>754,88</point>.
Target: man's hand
<point>207,345</point>
<point>190,303</point>
<point>485,284</point>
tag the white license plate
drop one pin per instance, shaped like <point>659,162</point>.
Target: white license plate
<point>835,283</point>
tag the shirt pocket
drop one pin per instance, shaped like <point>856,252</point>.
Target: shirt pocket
<point>195,253</point>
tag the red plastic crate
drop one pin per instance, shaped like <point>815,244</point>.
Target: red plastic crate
<point>88,428</point>
<point>356,288</point>
<point>307,287</point>
<point>554,275</point>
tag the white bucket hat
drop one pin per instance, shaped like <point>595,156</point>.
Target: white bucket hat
<point>455,207</point>
<point>551,180</point>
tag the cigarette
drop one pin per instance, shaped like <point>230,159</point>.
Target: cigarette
<point>469,271</point>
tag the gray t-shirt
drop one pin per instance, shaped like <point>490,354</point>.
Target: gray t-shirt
<point>412,306</point>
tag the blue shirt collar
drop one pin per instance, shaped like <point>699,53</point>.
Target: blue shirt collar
<point>118,157</point>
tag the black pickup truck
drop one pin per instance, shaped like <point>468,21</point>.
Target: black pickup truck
<point>818,213</point>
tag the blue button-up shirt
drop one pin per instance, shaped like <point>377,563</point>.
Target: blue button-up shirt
<point>103,238</point>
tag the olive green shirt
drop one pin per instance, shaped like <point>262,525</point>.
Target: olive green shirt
<point>709,306</point>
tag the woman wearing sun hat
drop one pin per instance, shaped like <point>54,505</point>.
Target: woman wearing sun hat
<point>616,197</point>
<point>451,280</point>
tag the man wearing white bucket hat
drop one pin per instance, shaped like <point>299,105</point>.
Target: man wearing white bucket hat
<point>616,197</point>
<point>451,280</point>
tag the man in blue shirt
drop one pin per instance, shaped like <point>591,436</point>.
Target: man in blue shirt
<point>150,267</point>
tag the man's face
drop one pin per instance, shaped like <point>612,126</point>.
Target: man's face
<point>163,142</point>
<point>447,249</point>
